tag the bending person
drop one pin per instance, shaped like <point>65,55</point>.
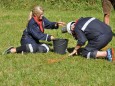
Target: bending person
<point>98,35</point>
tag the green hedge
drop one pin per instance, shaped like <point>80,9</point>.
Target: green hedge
<point>58,4</point>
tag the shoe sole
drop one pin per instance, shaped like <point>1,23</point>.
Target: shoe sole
<point>113,54</point>
<point>7,50</point>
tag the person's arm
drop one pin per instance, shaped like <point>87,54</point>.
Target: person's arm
<point>36,33</point>
<point>52,25</point>
<point>80,37</point>
<point>75,50</point>
<point>81,40</point>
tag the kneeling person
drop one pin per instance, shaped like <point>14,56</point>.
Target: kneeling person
<point>97,33</point>
<point>35,32</point>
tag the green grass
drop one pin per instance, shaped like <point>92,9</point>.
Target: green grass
<point>34,69</point>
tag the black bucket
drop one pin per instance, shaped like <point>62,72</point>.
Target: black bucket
<point>60,46</point>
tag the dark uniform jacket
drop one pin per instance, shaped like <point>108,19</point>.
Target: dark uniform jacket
<point>33,31</point>
<point>90,29</point>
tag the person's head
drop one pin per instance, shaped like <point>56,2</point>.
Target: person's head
<point>37,11</point>
<point>70,27</point>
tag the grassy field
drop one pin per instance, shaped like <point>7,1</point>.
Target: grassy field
<point>35,70</point>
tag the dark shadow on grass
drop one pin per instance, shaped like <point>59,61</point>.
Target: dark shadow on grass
<point>79,50</point>
<point>70,49</point>
<point>114,34</point>
<point>52,50</point>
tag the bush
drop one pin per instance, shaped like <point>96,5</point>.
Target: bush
<point>52,4</point>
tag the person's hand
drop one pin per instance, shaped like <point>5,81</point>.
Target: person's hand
<point>52,38</point>
<point>61,23</point>
<point>73,53</point>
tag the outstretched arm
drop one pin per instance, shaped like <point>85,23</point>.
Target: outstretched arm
<point>75,50</point>
<point>52,25</point>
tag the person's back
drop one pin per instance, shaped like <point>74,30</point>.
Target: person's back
<point>94,28</point>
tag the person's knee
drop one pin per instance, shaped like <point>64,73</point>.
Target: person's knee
<point>89,55</point>
<point>31,48</point>
<point>43,48</point>
<point>107,15</point>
